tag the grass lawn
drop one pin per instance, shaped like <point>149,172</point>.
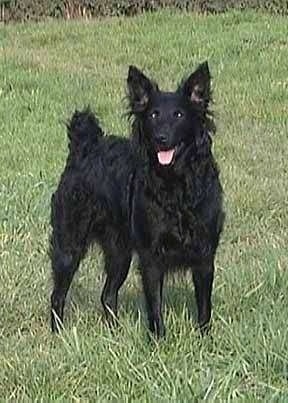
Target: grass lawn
<point>49,69</point>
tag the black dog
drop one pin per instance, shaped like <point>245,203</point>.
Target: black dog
<point>158,194</point>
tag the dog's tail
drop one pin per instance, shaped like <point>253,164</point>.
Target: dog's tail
<point>83,132</point>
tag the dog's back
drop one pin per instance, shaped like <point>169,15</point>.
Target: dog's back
<point>97,170</point>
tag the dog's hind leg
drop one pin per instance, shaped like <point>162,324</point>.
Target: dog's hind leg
<point>117,264</point>
<point>64,266</point>
<point>203,276</point>
<point>67,248</point>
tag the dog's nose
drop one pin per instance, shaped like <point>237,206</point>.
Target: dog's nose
<point>161,138</point>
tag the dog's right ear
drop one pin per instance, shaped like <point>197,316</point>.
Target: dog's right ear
<point>140,89</point>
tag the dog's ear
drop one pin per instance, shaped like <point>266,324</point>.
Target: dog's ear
<point>198,85</point>
<point>140,89</point>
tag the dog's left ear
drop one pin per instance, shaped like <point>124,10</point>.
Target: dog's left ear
<point>198,86</point>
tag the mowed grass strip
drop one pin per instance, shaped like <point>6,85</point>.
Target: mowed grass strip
<point>49,69</point>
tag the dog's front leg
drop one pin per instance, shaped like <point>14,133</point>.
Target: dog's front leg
<point>203,276</point>
<point>152,278</point>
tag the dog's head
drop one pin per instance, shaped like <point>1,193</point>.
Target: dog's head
<point>170,123</point>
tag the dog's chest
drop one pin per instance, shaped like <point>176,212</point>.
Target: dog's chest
<point>177,231</point>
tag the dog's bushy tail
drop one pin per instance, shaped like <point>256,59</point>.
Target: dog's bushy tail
<point>83,132</point>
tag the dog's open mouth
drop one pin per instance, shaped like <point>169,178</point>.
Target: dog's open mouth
<point>166,157</point>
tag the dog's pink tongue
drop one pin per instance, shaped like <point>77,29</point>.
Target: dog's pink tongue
<point>165,157</point>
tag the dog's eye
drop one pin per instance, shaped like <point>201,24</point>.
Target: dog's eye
<point>178,114</point>
<point>154,114</point>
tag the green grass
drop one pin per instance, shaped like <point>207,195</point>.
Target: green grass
<point>49,69</point>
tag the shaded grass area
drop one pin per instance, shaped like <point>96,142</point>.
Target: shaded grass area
<point>47,70</point>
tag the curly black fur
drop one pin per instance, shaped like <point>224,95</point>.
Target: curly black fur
<point>157,193</point>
